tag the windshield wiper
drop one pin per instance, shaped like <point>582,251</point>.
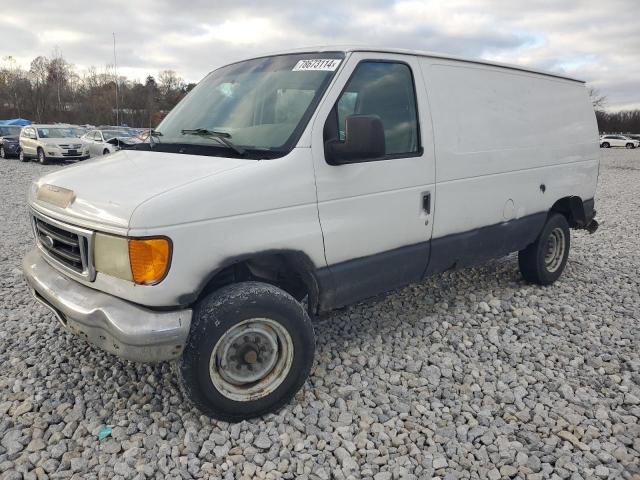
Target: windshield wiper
<point>222,137</point>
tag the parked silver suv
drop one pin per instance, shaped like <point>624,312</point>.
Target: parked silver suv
<point>51,142</point>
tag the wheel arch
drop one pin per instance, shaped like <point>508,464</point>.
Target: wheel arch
<point>577,211</point>
<point>291,270</point>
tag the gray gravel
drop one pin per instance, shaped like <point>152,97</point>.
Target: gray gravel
<point>473,374</point>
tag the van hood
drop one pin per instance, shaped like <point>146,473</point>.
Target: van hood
<point>107,190</point>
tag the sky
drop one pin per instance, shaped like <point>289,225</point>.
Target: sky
<point>594,40</point>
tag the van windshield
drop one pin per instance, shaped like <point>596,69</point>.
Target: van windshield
<point>260,105</point>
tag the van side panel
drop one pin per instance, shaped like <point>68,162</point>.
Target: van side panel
<point>508,145</point>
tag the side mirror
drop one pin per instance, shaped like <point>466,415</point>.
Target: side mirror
<point>364,141</point>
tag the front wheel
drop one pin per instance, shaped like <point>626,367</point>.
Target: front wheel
<point>543,261</point>
<point>250,349</point>
<point>42,158</point>
<point>22,156</point>
<point>605,145</point>
<point>630,145</point>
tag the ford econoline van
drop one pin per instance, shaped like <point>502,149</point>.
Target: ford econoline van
<point>292,184</point>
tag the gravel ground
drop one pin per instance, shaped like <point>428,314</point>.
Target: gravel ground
<point>472,374</point>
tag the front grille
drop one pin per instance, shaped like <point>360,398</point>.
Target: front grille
<point>70,145</point>
<point>68,246</point>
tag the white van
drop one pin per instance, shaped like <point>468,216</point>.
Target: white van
<point>292,184</point>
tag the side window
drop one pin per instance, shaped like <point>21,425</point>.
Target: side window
<point>384,89</point>
<point>96,136</point>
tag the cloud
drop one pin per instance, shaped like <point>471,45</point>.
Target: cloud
<point>594,40</point>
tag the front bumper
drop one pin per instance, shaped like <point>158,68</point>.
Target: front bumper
<point>115,325</point>
<point>11,148</point>
<point>67,157</point>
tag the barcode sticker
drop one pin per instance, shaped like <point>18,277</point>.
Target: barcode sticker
<point>324,64</point>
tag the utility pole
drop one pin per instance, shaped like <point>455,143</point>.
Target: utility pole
<point>115,70</point>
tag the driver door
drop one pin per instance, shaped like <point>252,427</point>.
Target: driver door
<point>376,214</point>
<point>27,141</point>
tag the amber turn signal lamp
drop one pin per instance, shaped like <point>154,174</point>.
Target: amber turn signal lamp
<point>150,259</point>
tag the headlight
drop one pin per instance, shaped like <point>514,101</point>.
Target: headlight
<point>144,261</point>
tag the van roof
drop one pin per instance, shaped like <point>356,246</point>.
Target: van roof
<point>420,53</point>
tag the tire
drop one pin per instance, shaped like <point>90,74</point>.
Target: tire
<point>544,260</point>
<point>22,156</point>
<point>218,320</point>
<point>605,145</point>
<point>3,153</point>
<point>630,145</point>
<point>42,158</point>
<point>105,152</point>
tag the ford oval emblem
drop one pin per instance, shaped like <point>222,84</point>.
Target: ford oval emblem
<point>47,241</point>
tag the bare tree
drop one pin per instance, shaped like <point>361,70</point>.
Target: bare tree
<point>38,75</point>
<point>598,100</point>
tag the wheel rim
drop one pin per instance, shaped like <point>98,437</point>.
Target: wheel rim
<point>251,359</point>
<point>21,155</point>
<point>554,250</point>
<point>41,156</point>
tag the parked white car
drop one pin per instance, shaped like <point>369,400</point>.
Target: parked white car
<point>50,142</point>
<point>289,185</point>
<point>608,141</point>
<point>105,141</point>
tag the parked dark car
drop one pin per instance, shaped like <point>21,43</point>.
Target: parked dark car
<point>9,144</point>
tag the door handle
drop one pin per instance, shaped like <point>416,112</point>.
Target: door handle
<point>426,202</point>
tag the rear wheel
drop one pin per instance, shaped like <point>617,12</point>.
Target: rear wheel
<point>630,145</point>
<point>42,158</point>
<point>250,349</point>
<point>544,260</point>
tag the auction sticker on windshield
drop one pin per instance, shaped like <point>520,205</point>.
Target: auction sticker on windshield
<point>324,64</point>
